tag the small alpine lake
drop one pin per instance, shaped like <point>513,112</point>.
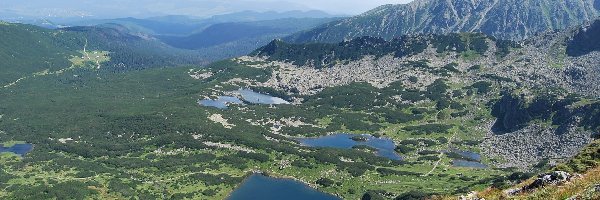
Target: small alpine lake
<point>19,149</point>
<point>385,147</point>
<point>466,159</point>
<point>257,98</point>
<point>248,96</point>
<point>262,187</point>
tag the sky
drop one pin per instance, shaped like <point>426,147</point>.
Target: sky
<point>200,8</point>
<point>351,7</point>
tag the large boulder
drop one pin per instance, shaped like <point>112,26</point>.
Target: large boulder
<point>554,178</point>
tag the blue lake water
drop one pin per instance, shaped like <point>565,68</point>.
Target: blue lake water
<point>470,160</point>
<point>385,147</point>
<point>222,102</point>
<point>261,187</point>
<point>19,149</point>
<point>257,98</point>
<point>469,155</point>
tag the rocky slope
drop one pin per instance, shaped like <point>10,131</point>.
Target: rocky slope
<point>585,40</point>
<point>576,179</point>
<point>506,19</point>
<point>537,63</point>
<point>531,126</point>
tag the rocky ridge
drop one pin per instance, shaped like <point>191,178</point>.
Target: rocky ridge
<point>534,144</point>
<point>540,63</point>
<point>506,19</point>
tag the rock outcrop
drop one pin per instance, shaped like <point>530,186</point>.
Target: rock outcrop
<point>534,144</point>
<point>506,19</point>
<point>543,180</point>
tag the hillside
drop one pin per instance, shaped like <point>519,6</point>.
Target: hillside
<point>187,25</point>
<point>218,37</point>
<point>505,19</point>
<point>109,48</point>
<point>460,112</point>
<point>132,51</point>
<point>585,40</point>
<point>259,33</point>
<point>582,183</point>
<point>20,57</point>
<point>169,25</point>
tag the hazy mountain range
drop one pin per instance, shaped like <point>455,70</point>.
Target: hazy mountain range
<point>183,25</point>
<point>63,10</point>
<point>140,9</point>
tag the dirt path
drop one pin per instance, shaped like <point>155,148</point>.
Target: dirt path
<point>87,55</point>
<point>84,49</point>
<point>14,83</point>
<point>437,163</point>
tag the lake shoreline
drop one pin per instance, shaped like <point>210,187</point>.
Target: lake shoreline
<point>278,176</point>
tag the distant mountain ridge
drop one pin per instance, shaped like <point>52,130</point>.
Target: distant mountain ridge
<point>257,32</point>
<point>181,25</point>
<point>246,16</point>
<point>220,36</point>
<point>505,19</point>
<point>55,51</point>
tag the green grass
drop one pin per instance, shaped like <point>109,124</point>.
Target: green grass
<point>559,54</point>
<point>585,163</point>
<point>141,133</point>
<point>7,156</point>
<point>470,55</point>
<point>111,104</point>
<point>92,59</point>
<point>21,58</point>
<point>13,143</point>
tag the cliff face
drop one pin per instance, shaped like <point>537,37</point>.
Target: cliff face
<point>585,40</point>
<point>505,19</point>
<point>512,114</point>
<point>519,138</point>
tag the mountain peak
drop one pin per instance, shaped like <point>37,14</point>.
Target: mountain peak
<point>504,19</point>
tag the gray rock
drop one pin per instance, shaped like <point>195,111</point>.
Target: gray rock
<point>506,19</point>
<point>554,178</point>
<point>512,192</point>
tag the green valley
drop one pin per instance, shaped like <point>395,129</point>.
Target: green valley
<point>137,109</point>
<point>142,132</point>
